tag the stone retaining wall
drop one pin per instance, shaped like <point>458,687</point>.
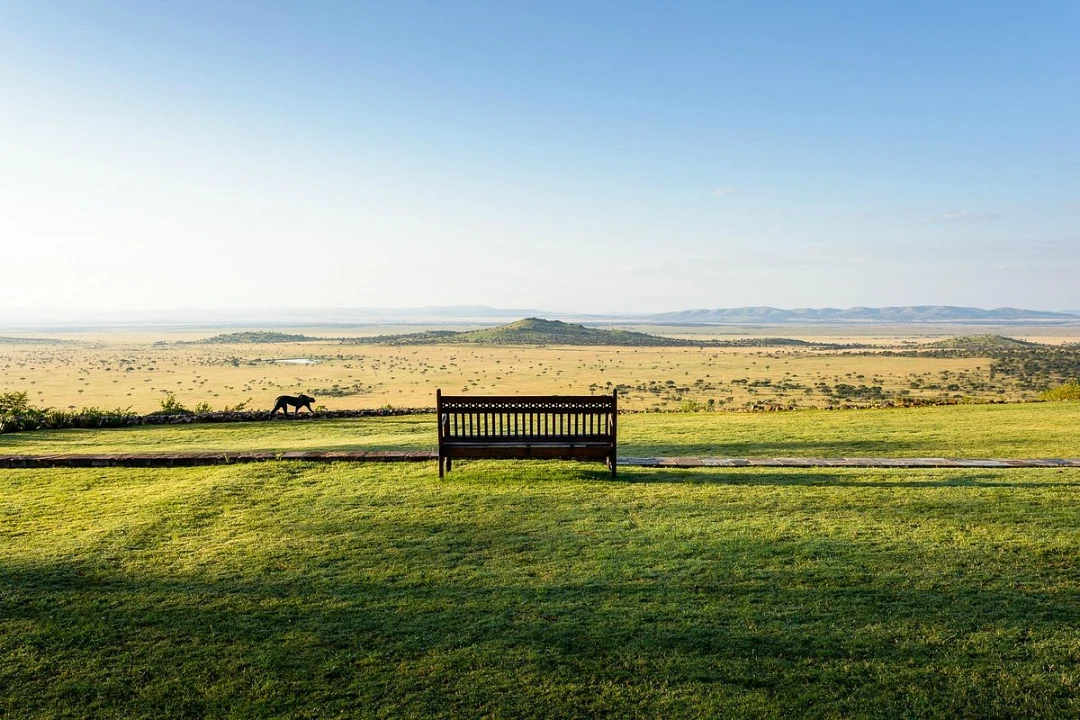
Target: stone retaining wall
<point>196,459</point>
<point>200,459</point>
<point>263,415</point>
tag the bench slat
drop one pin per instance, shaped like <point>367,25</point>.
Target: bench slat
<point>533,439</point>
<point>558,430</point>
<point>527,426</point>
<point>505,451</point>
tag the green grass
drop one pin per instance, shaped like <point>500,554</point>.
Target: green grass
<point>383,433</point>
<point>1007,431</point>
<point>538,590</point>
<point>1010,431</point>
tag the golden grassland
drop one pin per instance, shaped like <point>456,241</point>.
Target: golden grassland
<point>137,369</point>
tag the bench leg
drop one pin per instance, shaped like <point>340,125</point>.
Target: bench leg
<point>440,467</point>
<point>611,464</point>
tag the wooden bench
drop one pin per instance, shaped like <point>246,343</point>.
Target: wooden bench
<point>567,427</point>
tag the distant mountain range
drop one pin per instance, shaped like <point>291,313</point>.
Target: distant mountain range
<point>893,315</point>
<point>482,315</point>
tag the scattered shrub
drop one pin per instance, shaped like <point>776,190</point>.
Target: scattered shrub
<point>1068,391</point>
<point>18,415</point>
<point>14,402</point>
<point>171,406</point>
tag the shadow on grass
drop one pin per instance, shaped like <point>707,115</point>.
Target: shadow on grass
<point>786,448</point>
<point>855,477</point>
<point>434,629</point>
<point>534,472</point>
<point>336,435</point>
<point>321,435</point>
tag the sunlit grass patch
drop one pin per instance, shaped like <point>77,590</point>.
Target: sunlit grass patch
<point>1010,431</point>
<point>538,590</point>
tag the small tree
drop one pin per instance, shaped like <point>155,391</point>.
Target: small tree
<point>15,403</point>
<point>1068,391</point>
<point>169,404</point>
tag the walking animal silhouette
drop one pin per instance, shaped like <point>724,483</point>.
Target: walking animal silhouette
<point>284,401</point>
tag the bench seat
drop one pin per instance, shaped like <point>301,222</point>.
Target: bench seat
<point>527,427</point>
<point>537,450</point>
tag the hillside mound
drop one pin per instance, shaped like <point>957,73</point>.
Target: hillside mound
<point>981,343</point>
<point>536,331</point>
<point>251,338</point>
<point>5,340</point>
<point>530,331</point>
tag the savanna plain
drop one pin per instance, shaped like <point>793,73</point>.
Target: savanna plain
<point>518,589</point>
<point>349,368</point>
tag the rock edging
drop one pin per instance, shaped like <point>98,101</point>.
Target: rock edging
<point>264,416</point>
<point>165,460</point>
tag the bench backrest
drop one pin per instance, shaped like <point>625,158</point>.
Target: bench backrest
<point>539,417</point>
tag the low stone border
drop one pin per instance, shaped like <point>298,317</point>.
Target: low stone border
<point>111,420</point>
<point>264,416</point>
<point>197,459</point>
<point>863,462</point>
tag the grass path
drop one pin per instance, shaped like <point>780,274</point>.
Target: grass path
<point>1007,431</point>
<point>538,590</point>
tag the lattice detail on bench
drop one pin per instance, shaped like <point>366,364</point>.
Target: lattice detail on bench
<point>573,426</point>
<point>514,424</point>
<point>567,404</point>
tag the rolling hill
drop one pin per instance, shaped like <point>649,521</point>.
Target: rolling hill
<point>530,331</point>
<point>5,340</point>
<point>250,337</point>
<point>537,331</point>
<point>983,343</point>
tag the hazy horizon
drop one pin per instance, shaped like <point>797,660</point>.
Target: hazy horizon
<point>627,158</point>
<point>16,319</point>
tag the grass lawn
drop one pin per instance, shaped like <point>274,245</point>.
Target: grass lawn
<point>539,590</point>
<point>1012,431</point>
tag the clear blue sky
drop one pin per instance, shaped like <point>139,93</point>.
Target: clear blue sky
<point>588,156</point>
